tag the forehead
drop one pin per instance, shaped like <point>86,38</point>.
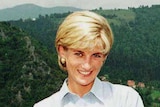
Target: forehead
<point>95,49</point>
<point>89,45</point>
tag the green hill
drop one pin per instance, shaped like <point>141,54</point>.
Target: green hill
<point>136,49</point>
<point>28,61</point>
<point>27,69</point>
<point>118,16</point>
<point>31,11</point>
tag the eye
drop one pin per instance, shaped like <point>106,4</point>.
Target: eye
<point>80,54</point>
<point>97,55</point>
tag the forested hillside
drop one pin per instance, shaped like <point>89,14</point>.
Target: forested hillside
<point>28,72</point>
<point>135,54</point>
<point>28,61</point>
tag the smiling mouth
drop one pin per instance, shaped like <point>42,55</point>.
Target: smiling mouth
<point>85,73</point>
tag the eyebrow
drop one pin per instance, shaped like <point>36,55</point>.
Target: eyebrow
<point>75,50</point>
<point>98,53</point>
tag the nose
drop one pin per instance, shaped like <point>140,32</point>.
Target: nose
<point>86,65</point>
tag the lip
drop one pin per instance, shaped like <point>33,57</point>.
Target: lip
<point>85,73</point>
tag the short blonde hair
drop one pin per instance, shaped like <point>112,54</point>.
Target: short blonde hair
<point>84,30</point>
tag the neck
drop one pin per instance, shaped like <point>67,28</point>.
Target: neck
<point>79,89</point>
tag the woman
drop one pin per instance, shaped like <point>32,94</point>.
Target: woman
<point>83,42</point>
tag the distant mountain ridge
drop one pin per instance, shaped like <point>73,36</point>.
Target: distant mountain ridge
<point>31,11</point>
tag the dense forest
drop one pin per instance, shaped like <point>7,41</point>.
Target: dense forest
<point>28,71</point>
<point>28,62</point>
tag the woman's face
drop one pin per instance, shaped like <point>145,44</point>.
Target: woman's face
<point>83,66</point>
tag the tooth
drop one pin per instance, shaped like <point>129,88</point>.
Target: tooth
<point>85,73</point>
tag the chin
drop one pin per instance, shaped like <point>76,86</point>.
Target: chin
<point>86,82</point>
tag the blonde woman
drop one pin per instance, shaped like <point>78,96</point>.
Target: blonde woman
<point>83,42</point>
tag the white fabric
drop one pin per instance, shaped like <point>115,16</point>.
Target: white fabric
<point>102,94</point>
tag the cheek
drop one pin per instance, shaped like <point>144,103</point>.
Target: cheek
<point>72,63</point>
<point>98,64</point>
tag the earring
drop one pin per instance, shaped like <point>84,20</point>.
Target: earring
<point>63,62</point>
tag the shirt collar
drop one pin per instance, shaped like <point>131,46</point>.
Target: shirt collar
<point>64,89</point>
<point>97,89</point>
<point>102,90</point>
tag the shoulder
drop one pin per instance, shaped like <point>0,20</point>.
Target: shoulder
<point>47,102</point>
<point>119,89</point>
<point>127,93</point>
<point>124,95</point>
<point>122,89</point>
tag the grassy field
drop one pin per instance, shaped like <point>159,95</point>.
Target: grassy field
<point>118,15</point>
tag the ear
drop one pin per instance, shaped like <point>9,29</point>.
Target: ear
<point>61,51</point>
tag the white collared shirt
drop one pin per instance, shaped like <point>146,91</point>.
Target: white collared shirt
<point>102,94</point>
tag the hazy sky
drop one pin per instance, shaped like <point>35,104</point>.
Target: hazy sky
<point>84,4</point>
